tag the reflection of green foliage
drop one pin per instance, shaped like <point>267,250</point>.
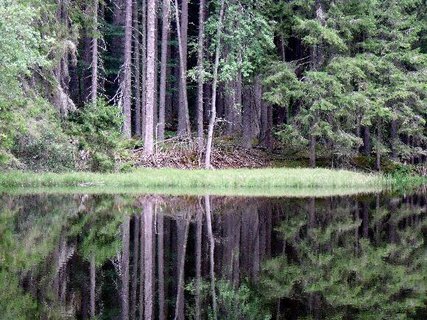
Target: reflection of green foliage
<point>355,277</point>
<point>14,303</point>
<point>99,228</point>
<point>233,303</point>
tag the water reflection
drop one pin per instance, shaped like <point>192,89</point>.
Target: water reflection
<point>154,257</point>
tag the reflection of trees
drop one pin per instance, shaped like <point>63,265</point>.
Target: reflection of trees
<point>334,272</point>
<point>229,258</point>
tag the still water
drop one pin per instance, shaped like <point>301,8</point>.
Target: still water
<point>118,256</point>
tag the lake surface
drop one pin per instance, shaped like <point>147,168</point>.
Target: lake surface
<point>81,256</point>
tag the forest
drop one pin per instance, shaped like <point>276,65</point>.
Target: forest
<point>105,85</point>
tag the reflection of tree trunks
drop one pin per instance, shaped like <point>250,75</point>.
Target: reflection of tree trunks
<point>230,253</point>
<point>125,268</point>
<point>198,262</point>
<point>148,258</point>
<point>365,220</point>
<point>182,230</point>
<point>249,241</point>
<point>312,213</point>
<point>160,259</point>
<point>141,267</point>
<point>135,267</point>
<point>92,286</point>
<point>211,252</point>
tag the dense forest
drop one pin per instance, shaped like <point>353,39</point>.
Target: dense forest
<point>103,84</point>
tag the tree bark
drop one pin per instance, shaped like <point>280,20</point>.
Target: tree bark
<point>137,76</point>
<point>143,65</point>
<point>163,68</point>
<point>200,68</point>
<point>182,29</point>
<point>127,72</point>
<point>214,88</point>
<point>150,84</point>
<point>94,86</point>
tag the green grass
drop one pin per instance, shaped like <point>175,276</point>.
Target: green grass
<point>185,179</point>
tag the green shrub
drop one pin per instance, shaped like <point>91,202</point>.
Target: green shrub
<point>97,130</point>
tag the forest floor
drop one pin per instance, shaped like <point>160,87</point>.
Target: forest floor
<point>185,155</point>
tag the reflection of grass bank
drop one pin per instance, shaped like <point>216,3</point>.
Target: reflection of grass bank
<point>178,191</point>
<point>229,178</point>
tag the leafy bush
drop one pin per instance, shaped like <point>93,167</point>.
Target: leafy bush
<point>97,130</point>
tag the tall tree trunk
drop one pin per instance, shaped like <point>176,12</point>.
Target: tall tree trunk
<point>137,76</point>
<point>366,141</point>
<point>94,86</point>
<point>125,268</point>
<point>150,85</point>
<point>214,88</point>
<point>200,80</point>
<point>163,68</point>
<point>127,72</point>
<point>182,29</point>
<point>143,65</point>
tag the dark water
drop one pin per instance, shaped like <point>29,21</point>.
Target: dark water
<point>152,257</point>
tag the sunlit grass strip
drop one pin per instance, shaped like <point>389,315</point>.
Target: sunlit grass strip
<point>228,178</point>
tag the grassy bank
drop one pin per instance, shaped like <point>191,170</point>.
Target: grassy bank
<point>173,178</point>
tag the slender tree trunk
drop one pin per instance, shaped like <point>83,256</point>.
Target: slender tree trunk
<point>125,268</point>
<point>182,30</point>
<point>366,141</point>
<point>211,252</point>
<point>214,88</point>
<point>150,84</point>
<point>163,67</point>
<point>127,72</point>
<point>200,57</point>
<point>137,76</point>
<point>94,86</point>
<point>143,65</point>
